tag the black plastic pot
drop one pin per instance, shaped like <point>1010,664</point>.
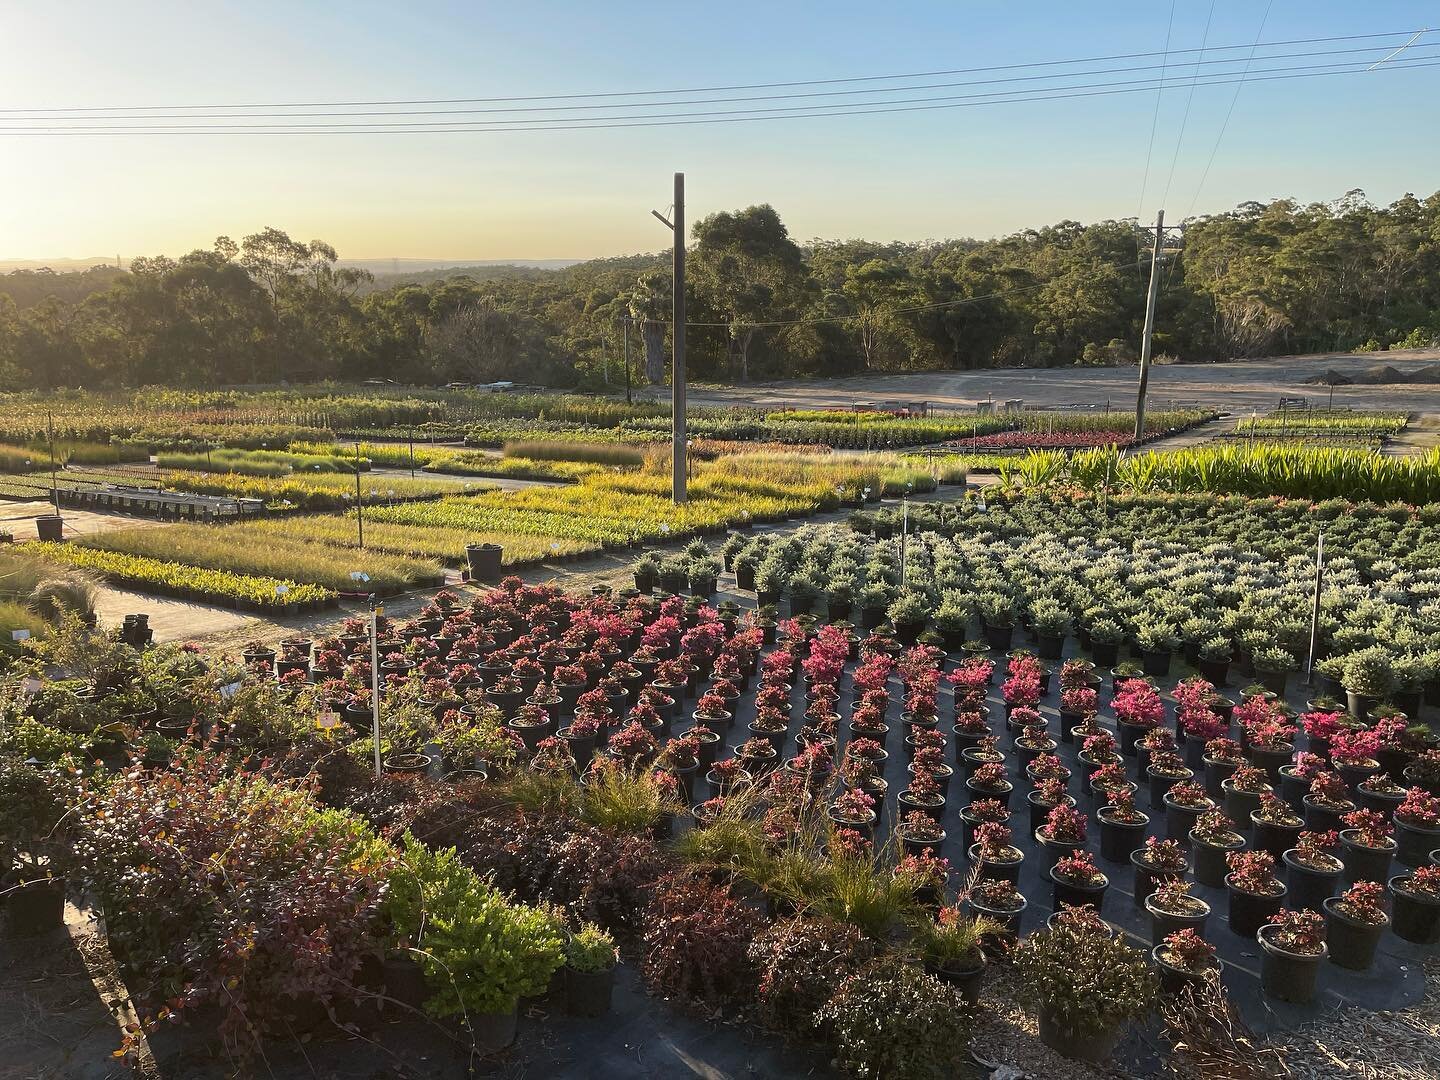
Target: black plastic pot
<point>1306,887</point>
<point>1146,879</point>
<point>36,907</point>
<point>1119,839</point>
<point>1293,789</point>
<point>1011,920</point>
<point>1179,820</point>
<point>1239,805</point>
<point>1174,980</point>
<point>996,871</point>
<point>1052,851</point>
<point>1165,923</point>
<point>911,846</point>
<point>1321,818</point>
<point>1364,863</point>
<point>1413,844</point>
<point>964,980</point>
<point>1067,892</point>
<point>1288,976</point>
<point>1274,838</point>
<point>1249,911</point>
<point>1413,918</point>
<point>484,562</point>
<point>588,993</point>
<point>1216,773</point>
<point>1352,943</point>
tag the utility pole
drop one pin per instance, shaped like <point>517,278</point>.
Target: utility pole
<point>677,372</point>
<point>54,466</point>
<point>1149,330</point>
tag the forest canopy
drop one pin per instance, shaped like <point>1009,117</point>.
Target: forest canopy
<point>1262,279</point>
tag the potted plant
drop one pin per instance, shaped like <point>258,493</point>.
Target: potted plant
<point>1276,825</point>
<point>1157,642</point>
<point>1165,770</point>
<point>1078,881</point>
<point>1000,900</point>
<point>1087,987</point>
<point>978,813</point>
<point>1295,778</point>
<point>1242,792</point>
<point>1255,892</point>
<point>1052,625</point>
<point>1185,802</point>
<point>853,809</point>
<point>993,855</point>
<point>988,781</point>
<point>1354,922</point>
<point>1185,959</point>
<point>1105,637</point>
<point>1424,771</point>
<point>1272,667</point>
<point>1154,862</point>
<point>1327,802</point>
<point>1369,674</point>
<point>1367,846</point>
<point>1312,869</point>
<point>1122,826</point>
<point>1062,834</point>
<point>590,960</point>
<point>1213,659</point>
<point>1416,898</point>
<point>1417,828</point>
<point>1292,946</point>
<point>951,947</point>
<point>908,613</point>
<point>1222,757</point>
<point>1172,908</point>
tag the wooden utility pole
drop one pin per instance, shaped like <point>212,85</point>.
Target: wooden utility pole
<point>677,372</point>
<point>1149,324</point>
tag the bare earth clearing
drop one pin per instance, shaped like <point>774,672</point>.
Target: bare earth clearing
<point>1239,386</point>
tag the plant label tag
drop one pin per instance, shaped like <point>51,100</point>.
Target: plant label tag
<point>229,690</point>
<point>31,687</point>
<point>281,590</point>
<point>20,635</point>
<point>327,721</point>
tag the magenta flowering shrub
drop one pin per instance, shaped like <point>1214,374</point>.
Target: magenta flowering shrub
<point>1138,703</point>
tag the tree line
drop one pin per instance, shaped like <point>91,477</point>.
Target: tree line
<point>1262,279</point>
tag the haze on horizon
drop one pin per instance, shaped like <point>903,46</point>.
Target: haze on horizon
<point>567,195</point>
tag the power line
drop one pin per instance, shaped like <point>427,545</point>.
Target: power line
<point>695,89</point>
<point>1154,124</point>
<point>1205,175</point>
<point>1189,100</point>
<point>1197,64</point>
<point>718,117</point>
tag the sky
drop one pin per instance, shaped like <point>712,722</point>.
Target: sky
<point>934,174</point>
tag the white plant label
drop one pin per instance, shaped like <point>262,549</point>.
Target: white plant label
<point>229,690</point>
<point>20,635</point>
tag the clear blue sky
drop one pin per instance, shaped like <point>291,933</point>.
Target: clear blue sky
<point>962,172</point>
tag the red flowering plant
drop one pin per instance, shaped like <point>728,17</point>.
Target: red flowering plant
<point>1249,779</point>
<point>1425,768</point>
<point>1202,724</point>
<point>971,723</point>
<point>777,666</point>
<point>927,739</point>
<point>1187,793</point>
<point>825,664</point>
<point>853,806</point>
<point>1420,809</point>
<point>1079,869</point>
<point>712,705</point>
<point>1323,726</point>
<point>1390,732</point>
<point>920,827</point>
<point>1356,747</point>
<point>1213,827</point>
<point>568,675</point>
<point>1227,751</point>
<point>1329,790</point>
<point>773,697</point>
<point>1164,856</point>
<point>661,634</point>
<point>1423,882</point>
<point>1306,765</point>
<point>987,810</point>
<point>1316,849</point>
<point>1364,902</point>
<point>988,777</point>
<point>1137,703</point>
<point>1168,763</point>
<point>1158,740</point>
<point>681,752</point>
<point>1081,700</point>
<point>672,673</point>
<point>987,750</point>
<point>552,755</point>
<point>997,894</point>
<point>813,764</point>
<point>992,842</point>
<point>1369,828</point>
<point>930,759</point>
<point>632,742</point>
<point>1075,673</point>
<point>1253,872</point>
<point>1300,932</point>
<point>584,726</point>
<point>1048,767</point>
<point>1172,896</point>
<point>924,788</point>
<point>971,679</point>
<point>1110,778</point>
<point>1022,689</point>
<point>925,870</point>
<point>1024,716</point>
<point>1049,791</point>
<point>850,844</point>
<point>1187,950</point>
<point>727,771</point>
<point>920,700</point>
<point>1101,748</point>
<point>1272,735</point>
<point>1193,693</point>
<point>873,674</point>
<point>1121,807</point>
<point>1065,825</point>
